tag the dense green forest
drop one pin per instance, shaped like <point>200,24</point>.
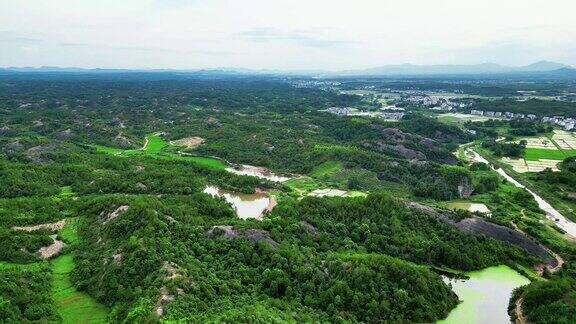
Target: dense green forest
<point>93,162</point>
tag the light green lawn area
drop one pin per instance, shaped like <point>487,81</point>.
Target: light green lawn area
<point>66,191</point>
<point>107,149</point>
<point>326,168</point>
<point>533,154</point>
<point>73,306</point>
<point>155,144</point>
<point>201,160</point>
<point>457,118</point>
<point>354,193</point>
<point>302,184</point>
<point>68,233</point>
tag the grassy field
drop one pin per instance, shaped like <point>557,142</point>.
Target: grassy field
<point>460,119</point>
<point>68,233</point>
<point>107,149</point>
<point>156,149</point>
<point>326,168</point>
<point>66,191</point>
<point>153,147</point>
<point>533,154</point>
<point>302,184</point>
<point>201,160</point>
<point>73,306</point>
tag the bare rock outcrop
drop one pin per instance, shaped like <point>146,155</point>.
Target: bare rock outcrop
<point>310,228</point>
<point>122,140</point>
<point>465,188</point>
<point>37,153</point>
<point>117,212</point>
<point>46,252</point>
<point>480,226</point>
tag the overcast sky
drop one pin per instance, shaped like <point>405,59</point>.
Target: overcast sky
<point>284,34</point>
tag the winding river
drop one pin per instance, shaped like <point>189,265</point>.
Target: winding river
<point>565,224</point>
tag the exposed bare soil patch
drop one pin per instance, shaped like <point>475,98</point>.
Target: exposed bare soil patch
<point>49,251</point>
<point>49,226</point>
<point>188,142</point>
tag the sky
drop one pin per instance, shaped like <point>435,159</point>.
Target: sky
<point>284,34</point>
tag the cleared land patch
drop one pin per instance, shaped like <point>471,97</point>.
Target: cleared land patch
<point>153,148</point>
<point>526,165</point>
<point>189,142</point>
<point>326,168</point>
<point>539,143</point>
<point>564,140</point>
<point>457,118</point>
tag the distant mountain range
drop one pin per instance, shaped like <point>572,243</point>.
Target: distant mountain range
<point>484,68</point>
<point>541,67</point>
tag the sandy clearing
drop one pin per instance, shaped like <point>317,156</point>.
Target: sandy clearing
<point>271,204</point>
<point>188,142</point>
<point>49,251</point>
<point>49,226</point>
<point>328,193</point>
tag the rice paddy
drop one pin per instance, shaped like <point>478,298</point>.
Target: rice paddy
<point>544,152</point>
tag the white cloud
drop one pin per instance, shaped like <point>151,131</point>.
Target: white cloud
<point>286,34</point>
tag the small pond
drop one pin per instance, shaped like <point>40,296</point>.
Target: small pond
<point>484,297</point>
<point>254,171</point>
<point>246,205</point>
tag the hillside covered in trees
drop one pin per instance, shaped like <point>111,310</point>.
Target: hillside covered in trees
<point>101,204</point>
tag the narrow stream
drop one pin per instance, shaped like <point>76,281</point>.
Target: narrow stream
<point>551,213</point>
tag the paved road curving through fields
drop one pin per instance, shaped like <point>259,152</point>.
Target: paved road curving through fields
<point>564,223</point>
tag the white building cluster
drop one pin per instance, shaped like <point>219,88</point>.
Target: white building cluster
<point>434,102</point>
<point>498,114</point>
<point>566,123</point>
<point>342,111</point>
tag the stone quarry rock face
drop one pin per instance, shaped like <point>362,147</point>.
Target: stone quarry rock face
<point>465,189</point>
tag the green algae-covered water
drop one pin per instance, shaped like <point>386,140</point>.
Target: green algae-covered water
<point>484,297</point>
